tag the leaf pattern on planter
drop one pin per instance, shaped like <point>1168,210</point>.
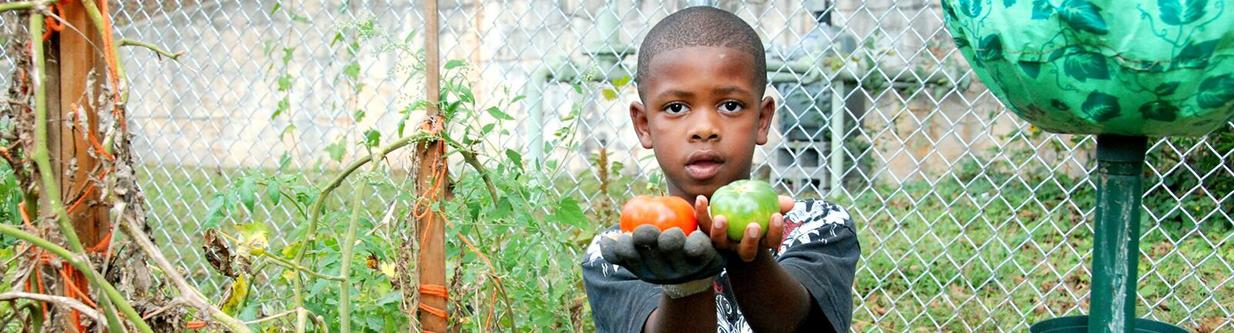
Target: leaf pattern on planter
<point>1032,69</point>
<point>1216,91</point>
<point>1166,89</point>
<point>990,48</point>
<point>1159,110</point>
<point>1083,15</point>
<point>1195,54</point>
<point>1179,12</point>
<point>972,8</point>
<point>1100,106</point>
<point>1042,9</point>
<point>1086,65</point>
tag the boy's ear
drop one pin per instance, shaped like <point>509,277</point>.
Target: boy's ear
<point>638,116</point>
<point>765,111</point>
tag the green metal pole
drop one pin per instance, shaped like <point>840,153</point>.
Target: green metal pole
<point>1120,161</point>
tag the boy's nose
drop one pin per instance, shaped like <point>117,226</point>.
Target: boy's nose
<point>705,127</point>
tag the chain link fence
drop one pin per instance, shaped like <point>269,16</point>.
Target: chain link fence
<point>969,219</point>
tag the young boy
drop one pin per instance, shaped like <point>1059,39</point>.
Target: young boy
<point>701,78</point>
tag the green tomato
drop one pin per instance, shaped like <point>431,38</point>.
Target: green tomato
<point>744,202</point>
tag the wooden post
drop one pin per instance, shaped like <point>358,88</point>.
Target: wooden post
<point>76,72</point>
<point>431,187</point>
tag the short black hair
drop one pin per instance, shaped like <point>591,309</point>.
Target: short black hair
<point>702,26</point>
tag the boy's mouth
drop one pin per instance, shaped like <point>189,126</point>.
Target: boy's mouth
<point>703,164</point>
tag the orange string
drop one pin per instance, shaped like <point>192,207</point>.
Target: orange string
<point>53,25</point>
<point>434,290</point>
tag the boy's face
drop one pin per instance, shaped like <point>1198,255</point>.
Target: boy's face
<point>702,115</point>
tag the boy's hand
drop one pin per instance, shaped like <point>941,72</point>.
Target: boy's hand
<point>750,243</point>
<point>664,258</point>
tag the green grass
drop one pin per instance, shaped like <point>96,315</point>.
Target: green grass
<point>989,253</point>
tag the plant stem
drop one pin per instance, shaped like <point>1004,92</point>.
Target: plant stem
<point>290,265</point>
<point>469,157</point>
<point>151,47</point>
<point>42,160</point>
<point>23,5</point>
<point>77,262</point>
<point>315,213</point>
<point>60,300</point>
<point>344,301</point>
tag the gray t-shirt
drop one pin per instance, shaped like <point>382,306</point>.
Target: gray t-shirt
<point>820,251</point>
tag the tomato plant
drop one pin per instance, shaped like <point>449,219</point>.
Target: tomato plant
<point>744,202</point>
<point>663,212</point>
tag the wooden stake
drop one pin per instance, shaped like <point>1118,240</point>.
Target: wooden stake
<point>431,187</point>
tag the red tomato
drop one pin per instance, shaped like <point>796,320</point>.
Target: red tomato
<point>663,212</point>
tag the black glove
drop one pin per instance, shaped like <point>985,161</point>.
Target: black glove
<point>665,258</point>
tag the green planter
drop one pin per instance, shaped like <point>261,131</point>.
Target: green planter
<point>1125,67</point>
<point>1122,70</point>
<point>1079,324</point>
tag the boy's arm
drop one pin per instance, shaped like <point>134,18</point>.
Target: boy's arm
<point>771,299</point>
<point>808,286</point>
<point>694,313</point>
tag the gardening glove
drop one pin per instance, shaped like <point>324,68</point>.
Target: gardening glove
<point>682,265</point>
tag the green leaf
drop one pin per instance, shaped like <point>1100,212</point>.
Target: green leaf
<point>609,94</point>
<point>352,70</point>
<point>283,105</point>
<point>568,212</point>
<point>1166,89</point>
<point>455,63</point>
<point>1101,107</point>
<point>1042,9</point>
<point>621,82</point>
<point>1086,65</point>
<point>498,114</point>
<point>284,82</point>
<point>284,161</point>
<point>359,115</point>
<point>1174,13</point>
<point>1195,55</point>
<point>990,48</point>
<point>336,150</point>
<point>1032,69</point>
<point>288,52</point>
<point>290,129</point>
<point>1215,92</point>
<point>1083,15</point>
<point>972,8</point>
<point>487,128</point>
<point>247,192</point>
<point>215,212</point>
<point>277,6</point>
<point>372,138</point>
<point>338,37</point>
<point>1159,110</point>
<point>515,157</point>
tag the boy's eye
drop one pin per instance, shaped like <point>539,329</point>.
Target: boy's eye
<point>730,107</point>
<point>675,108</point>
